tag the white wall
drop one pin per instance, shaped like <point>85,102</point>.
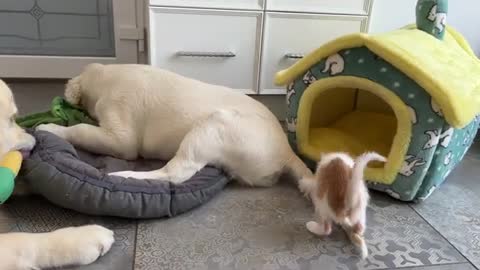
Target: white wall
<point>462,15</point>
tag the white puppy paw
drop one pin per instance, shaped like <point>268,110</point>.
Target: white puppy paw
<point>89,243</point>
<point>128,174</point>
<point>60,131</point>
<point>139,175</point>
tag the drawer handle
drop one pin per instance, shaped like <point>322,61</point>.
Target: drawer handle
<point>294,55</point>
<point>206,54</point>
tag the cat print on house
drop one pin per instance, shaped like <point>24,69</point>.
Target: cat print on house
<point>291,124</point>
<point>409,165</point>
<point>335,64</point>
<point>438,18</point>
<point>436,108</point>
<point>467,139</point>
<point>290,93</point>
<point>309,78</point>
<point>437,137</point>
<point>413,115</point>
<point>448,158</point>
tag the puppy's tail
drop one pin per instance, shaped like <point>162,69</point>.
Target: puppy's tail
<point>299,170</point>
<point>73,91</point>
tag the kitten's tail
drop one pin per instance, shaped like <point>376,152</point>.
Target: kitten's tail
<point>357,182</point>
<point>361,162</point>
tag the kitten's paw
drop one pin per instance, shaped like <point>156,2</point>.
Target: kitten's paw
<point>319,229</point>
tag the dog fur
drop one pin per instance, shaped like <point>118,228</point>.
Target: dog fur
<point>339,195</point>
<point>26,251</point>
<point>152,113</point>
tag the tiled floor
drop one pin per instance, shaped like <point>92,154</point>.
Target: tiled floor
<point>244,228</point>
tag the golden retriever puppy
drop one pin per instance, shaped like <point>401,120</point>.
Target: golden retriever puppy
<point>26,251</point>
<point>152,113</point>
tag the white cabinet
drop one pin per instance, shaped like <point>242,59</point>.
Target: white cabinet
<point>357,7</point>
<point>221,4</point>
<point>218,47</point>
<point>288,37</point>
<point>243,43</point>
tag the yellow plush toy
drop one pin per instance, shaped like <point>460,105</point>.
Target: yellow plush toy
<point>9,167</point>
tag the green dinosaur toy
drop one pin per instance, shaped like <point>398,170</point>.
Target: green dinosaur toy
<point>61,113</point>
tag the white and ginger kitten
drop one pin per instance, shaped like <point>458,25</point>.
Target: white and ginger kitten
<point>339,195</point>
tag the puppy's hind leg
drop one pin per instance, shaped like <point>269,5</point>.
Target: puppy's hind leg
<point>202,145</point>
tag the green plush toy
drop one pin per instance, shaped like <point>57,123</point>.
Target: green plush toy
<point>61,113</point>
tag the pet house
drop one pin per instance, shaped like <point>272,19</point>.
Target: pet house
<point>411,95</point>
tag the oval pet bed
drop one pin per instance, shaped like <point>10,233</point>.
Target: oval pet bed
<point>79,180</point>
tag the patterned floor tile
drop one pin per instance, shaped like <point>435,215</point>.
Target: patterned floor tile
<point>34,214</point>
<point>453,210</point>
<point>462,266</point>
<point>245,228</point>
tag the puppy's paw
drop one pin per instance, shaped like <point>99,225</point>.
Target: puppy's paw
<point>88,243</point>
<point>60,131</point>
<point>128,174</point>
<point>139,175</point>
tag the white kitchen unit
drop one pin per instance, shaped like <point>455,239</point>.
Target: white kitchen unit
<point>243,43</point>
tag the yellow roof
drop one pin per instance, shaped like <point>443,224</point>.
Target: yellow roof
<point>448,70</point>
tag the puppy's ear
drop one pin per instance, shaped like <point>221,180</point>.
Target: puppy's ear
<point>73,91</point>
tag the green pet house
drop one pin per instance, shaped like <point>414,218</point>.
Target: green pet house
<point>412,95</point>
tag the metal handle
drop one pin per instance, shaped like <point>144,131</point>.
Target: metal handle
<point>206,54</point>
<point>294,55</point>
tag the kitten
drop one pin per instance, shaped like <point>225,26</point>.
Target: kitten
<point>339,194</point>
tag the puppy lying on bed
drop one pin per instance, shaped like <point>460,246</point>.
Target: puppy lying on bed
<point>26,251</point>
<point>152,113</point>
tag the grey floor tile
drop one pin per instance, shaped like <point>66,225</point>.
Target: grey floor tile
<point>461,266</point>
<point>453,209</point>
<point>33,214</point>
<point>246,228</point>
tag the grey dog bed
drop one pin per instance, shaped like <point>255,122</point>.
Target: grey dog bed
<point>78,180</point>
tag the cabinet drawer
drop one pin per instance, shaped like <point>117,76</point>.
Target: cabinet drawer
<point>218,47</point>
<point>358,7</point>
<point>231,4</point>
<point>288,36</point>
